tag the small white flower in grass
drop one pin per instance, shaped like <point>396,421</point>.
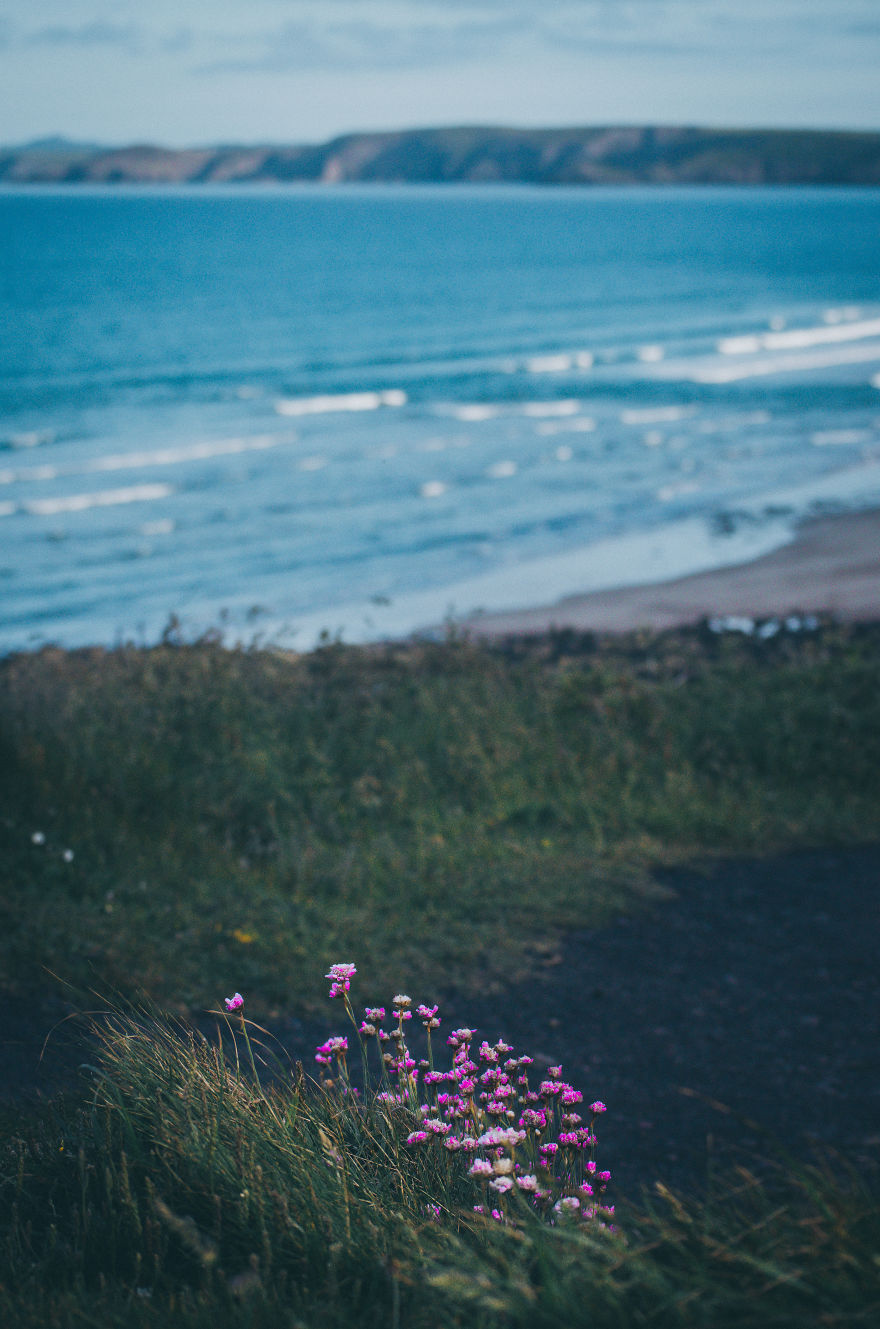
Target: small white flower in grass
<point>480,1167</point>
<point>502,1167</point>
<point>68,855</point>
<point>38,838</point>
<point>501,1184</point>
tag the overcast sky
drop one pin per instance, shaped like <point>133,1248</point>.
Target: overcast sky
<point>197,71</point>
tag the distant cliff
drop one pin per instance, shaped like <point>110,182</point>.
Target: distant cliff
<point>606,156</point>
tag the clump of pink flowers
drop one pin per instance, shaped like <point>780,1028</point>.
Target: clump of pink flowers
<point>524,1144</point>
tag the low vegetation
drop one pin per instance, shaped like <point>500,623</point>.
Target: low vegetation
<point>175,815</point>
<point>187,1193</point>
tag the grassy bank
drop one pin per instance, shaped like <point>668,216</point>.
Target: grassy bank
<point>437,810</point>
<point>183,1195</point>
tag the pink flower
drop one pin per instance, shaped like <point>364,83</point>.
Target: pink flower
<point>340,976</point>
<point>550,1087</point>
<point>501,1184</point>
<point>234,1003</point>
<point>598,1106</point>
<point>480,1168</point>
<point>339,973</point>
<point>334,1047</point>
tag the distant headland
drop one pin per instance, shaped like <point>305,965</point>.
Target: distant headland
<point>610,155</point>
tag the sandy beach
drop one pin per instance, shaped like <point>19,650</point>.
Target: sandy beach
<point>832,566</point>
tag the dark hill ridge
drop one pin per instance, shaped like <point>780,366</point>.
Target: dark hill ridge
<point>609,155</point>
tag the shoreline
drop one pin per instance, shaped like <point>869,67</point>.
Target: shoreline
<point>832,566</point>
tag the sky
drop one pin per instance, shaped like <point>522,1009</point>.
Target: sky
<point>245,71</point>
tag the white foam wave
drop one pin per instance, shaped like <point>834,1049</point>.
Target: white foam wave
<point>7,509</point>
<point>713,372</point>
<point>29,473</point>
<point>537,410</point>
<point>433,489</point>
<point>549,364</point>
<point>667,493</point>
<point>224,447</point>
<point>105,498</point>
<point>800,338</point>
<point>474,412</point>
<point>564,453</point>
<point>31,438</point>
<point>313,463</point>
<point>165,526</point>
<point>133,461</point>
<point>650,354</point>
<point>341,401</point>
<point>501,470</point>
<point>843,315</point>
<point>582,424</point>
<point>557,362</point>
<point>825,438</point>
<point>655,415</point>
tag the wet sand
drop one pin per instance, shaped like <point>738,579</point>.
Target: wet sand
<point>831,567</point>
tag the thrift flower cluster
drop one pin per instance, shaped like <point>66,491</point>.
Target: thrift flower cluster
<point>524,1139</point>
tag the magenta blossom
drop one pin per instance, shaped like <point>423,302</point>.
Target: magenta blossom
<point>340,976</point>
<point>337,1047</point>
<point>234,1003</point>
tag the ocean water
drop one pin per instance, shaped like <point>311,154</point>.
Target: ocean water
<point>366,410</point>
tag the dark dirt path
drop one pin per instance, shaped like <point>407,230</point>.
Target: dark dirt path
<point>758,985</point>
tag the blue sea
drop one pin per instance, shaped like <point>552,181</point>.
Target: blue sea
<point>368,410</point>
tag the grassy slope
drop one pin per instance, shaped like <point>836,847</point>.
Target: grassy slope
<point>184,1197</point>
<point>433,813</point>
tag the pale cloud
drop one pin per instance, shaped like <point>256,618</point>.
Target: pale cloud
<point>98,32</point>
<point>368,45</point>
<point>184,71</point>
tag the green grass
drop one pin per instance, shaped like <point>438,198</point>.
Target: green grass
<point>439,812</point>
<point>181,1194</point>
